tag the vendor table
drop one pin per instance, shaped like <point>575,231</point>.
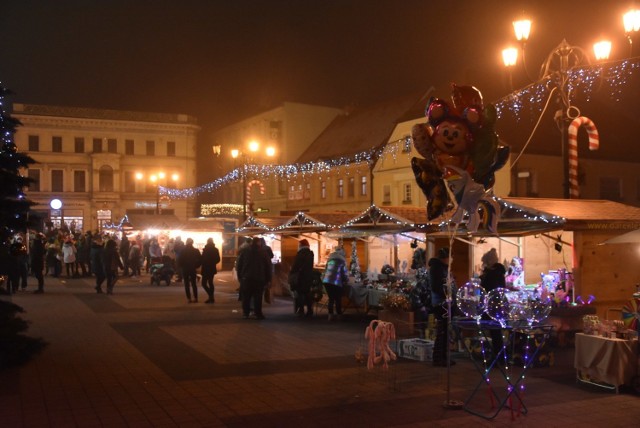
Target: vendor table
<point>502,378</point>
<point>605,362</point>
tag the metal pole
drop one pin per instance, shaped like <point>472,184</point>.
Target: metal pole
<point>157,199</point>
<point>244,189</point>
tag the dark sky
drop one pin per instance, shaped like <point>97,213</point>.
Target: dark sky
<point>222,60</point>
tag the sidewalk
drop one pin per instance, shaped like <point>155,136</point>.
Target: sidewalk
<point>144,357</point>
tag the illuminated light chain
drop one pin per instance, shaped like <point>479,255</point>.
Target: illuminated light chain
<point>582,81</point>
<point>301,220</point>
<point>375,214</point>
<point>221,209</point>
<point>248,190</point>
<point>281,171</point>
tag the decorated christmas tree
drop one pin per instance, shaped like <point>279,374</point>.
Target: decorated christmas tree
<point>14,206</point>
<point>354,266</point>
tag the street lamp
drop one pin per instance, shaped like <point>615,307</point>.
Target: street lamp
<point>631,21</point>
<point>253,148</point>
<point>556,68</point>
<point>155,180</point>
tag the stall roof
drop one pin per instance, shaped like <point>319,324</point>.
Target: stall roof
<point>581,214</point>
<point>376,221</point>
<point>258,226</point>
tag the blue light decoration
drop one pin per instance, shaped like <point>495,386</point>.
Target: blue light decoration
<point>582,81</point>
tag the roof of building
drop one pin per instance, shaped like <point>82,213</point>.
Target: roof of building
<point>102,114</point>
<point>362,129</point>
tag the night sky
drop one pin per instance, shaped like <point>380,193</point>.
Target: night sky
<point>223,60</point>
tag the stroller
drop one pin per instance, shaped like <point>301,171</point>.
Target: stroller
<point>162,270</point>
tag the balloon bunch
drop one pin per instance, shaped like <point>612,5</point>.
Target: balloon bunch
<point>502,305</point>
<point>461,152</point>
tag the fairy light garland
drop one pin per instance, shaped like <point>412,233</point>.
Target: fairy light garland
<point>582,81</point>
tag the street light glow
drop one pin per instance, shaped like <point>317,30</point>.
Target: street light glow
<point>139,176</point>
<point>522,28</point>
<point>602,49</point>
<point>161,175</point>
<point>175,177</point>
<point>153,178</point>
<point>631,21</point>
<point>235,153</point>
<point>510,56</point>
<point>254,146</point>
<point>271,151</point>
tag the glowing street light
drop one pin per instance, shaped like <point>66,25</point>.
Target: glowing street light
<point>155,179</point>
<point>253,148</point>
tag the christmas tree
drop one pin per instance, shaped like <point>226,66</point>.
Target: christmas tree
<point>14,206</point>
<point>354,266</point>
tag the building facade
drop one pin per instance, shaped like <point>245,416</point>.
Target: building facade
<point>103,164</point>
<point>286,131</point>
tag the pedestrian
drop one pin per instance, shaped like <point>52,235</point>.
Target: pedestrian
<point>18,265</point>
<point>335,277</point>
<point>155,252</point>
<point>87,251</point>
<point>69,257</point>
<point>301,278</point>
<point>493,276</point>
<point>82,256</point>
<point>168,251</point>
<point>97,265</point>
<point>51,259</point>
<point>134,259</point>
<point>210,259</point>
<point>111,262</point>
<point>123,249</point>
<point>254,274</point>
<point>37,255</point>
<point>146,244</point>
<point>438,273</point>
<point>189,261</point>
<point>178,246</point>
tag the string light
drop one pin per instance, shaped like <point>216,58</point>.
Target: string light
<point>582,81</point>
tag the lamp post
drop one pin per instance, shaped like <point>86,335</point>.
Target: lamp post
<point>556,68</point>
<point>155,179</point>
<point>253,148</point>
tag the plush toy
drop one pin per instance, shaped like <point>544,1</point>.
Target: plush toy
<point>379,334</point>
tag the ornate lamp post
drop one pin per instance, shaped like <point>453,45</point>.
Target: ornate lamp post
<point>556,68</point>
<point>253,148</point>
<point>155,180</point>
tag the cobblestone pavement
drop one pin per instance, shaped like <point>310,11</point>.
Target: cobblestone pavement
<point>144,357</point>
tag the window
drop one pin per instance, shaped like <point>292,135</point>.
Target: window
<point>79,181</point>
<point>112,145</point>
<point>34,143</point>
<point>341,188</point>
<point>34,174</point>
<point>79,144</point>
<point>386,194</point>
<point>406,144</point>
<point>128,147</point>
<point>129,181</point>
<point>323,190</point>
<point>363,185</point>
<point>610,188</point>
<point>151,148</point>
<point>351,188</point>
<point>171,148</point>
<point>307,191</point>
<point>97,145</point>
<point>105,179</point>
<point>56,144</point>
<point>56,180</point>
<point>406,193</point>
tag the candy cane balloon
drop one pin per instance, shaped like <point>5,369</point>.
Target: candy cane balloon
<point>594,144</point>
<point>248,190</point>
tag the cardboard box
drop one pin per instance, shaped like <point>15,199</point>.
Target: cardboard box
<point>416,349</point>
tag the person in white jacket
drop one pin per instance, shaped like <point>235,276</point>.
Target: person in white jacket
<point>69,257</point>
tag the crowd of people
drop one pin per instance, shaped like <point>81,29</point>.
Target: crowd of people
<point>105,256</point>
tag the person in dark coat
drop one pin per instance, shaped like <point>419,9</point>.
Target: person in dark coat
<point>335,277</point>
<point>302,274</point>
<point>210,258</point>
<point>189,260</point>
<point>438,271</point>
<point>254,274</point>
<point>37,261</point>
<point>125,245</point>
<point>97,267</point>
<point>18,266</point>
<point>493,276</point>
<point>111,262</point>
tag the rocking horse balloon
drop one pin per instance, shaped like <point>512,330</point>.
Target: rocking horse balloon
<point>461,153</point>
